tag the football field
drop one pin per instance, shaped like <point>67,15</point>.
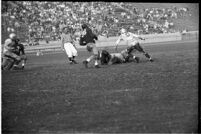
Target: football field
<point>52,96</point>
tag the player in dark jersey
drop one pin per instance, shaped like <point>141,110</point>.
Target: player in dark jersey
<point>88,39</point>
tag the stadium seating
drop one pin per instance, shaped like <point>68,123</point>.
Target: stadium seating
<point>44,18</point>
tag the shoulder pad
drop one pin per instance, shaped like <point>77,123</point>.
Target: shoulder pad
<point>8,41</point>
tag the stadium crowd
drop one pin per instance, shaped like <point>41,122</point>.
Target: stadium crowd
<point>46,19</point>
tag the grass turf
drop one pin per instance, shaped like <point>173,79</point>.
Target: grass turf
<point>51,96</point>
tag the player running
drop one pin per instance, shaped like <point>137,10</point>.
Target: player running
<point>88,38</point>
<point>67,45</point>
<point>133,43</point>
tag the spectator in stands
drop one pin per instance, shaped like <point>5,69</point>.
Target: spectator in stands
<point>32,12</point>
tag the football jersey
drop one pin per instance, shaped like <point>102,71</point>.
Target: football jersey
<point>66,38</point>
<point>9,45</point>
<point>129,37</point>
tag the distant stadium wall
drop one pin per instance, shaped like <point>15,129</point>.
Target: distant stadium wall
<point>153,38</point>
<point>193,35</point>
<point>105,42</point>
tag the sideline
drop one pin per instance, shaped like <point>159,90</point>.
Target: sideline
<point>58,50</point>
<point>110,42</point>
<point>57,45</point>
<point>168,42</point>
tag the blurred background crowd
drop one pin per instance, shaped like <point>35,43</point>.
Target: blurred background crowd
<point>45,20</point>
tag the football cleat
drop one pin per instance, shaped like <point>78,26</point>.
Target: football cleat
<point>151,60</point>
<point>85,63</point>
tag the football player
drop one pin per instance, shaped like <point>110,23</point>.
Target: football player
<point>117,58</point>
<point>11,54</point>
<point>133,43</point>
<point>20,52</point>
<point>88,38</point>
<point>67,44</point>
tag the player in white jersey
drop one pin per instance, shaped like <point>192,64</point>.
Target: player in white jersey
<point>13,53</point>
<point>133,43</point>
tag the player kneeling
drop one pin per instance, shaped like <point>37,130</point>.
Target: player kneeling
<point>13,54</point>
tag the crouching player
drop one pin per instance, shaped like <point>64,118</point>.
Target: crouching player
<point>13,53</point>
<point>133,43</point>
<point>117,58</point>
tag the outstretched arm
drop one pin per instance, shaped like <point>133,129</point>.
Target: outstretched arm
<point>137,36</point>
<point>141,38</point>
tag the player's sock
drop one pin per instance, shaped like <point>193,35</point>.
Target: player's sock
<point>70,59</point>
<point>150,59</point>
<point>85,62</point>
<point>147,55</point>
<point>73,60</point>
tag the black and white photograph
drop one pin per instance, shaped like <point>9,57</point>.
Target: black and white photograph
<point>99,67</point>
